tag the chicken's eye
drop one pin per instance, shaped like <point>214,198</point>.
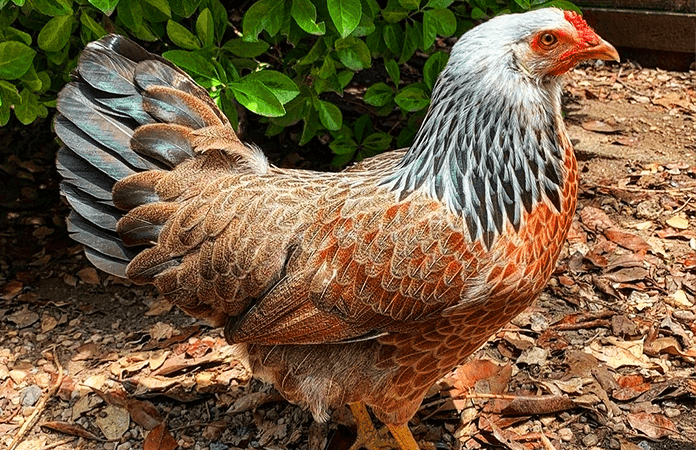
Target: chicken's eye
<point>548,39</point>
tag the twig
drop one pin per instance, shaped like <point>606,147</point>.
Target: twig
<point>688,200</point>
<point>583,325</point>
<point>58,443</point>
<point>546,442</point>
<point>39,407</point>
<point>630,189</point>
<point>618,79</point>
<point>11,416</point>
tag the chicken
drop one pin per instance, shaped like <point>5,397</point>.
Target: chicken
<point>361,287</point>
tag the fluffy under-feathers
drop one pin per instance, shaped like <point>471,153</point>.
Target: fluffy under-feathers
<point>364,285</point>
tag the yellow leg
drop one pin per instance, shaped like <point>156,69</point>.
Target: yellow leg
<point>403,437</point>
<point>370,438</point>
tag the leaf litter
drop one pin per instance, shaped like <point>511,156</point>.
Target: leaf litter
<point>605,359</point>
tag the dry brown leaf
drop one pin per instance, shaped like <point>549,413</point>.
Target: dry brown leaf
<point>71,429</point>
<point>143,413</point>
<point>252,401</point>
<point>23,318</point>
<point>160,331</point>
<point>48,322</point>
<point>158,359</point>
<point>595,219</point>
<point>615,356</point>
<point>89,275</point>
<point>185,334</point>
<point>114,422</point>
<point>673,99</point>
<point>86,352</point>
<point>159,307</point>
<point>630,387</point>
<point>654,426</point>
<point>159,438</point>
<point>599,126</point>
<point>531,405</point>
<point>11,289</point>
<point>627,240</point>
<point>84,404</point>
<point>679,222</point>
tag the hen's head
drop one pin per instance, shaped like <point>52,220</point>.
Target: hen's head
<point>542,43</point>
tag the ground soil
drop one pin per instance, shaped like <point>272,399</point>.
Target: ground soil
<point>613,333</point>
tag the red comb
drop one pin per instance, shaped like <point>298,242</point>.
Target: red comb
<point>586,33</point>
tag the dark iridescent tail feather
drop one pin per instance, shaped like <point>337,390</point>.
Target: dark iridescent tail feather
<point>118,86</point>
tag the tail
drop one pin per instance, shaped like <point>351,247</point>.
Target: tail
<point>128,118</point>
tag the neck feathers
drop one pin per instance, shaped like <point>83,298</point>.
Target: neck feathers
<point>489,150</point>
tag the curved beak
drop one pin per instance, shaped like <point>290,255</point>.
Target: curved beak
<point>603,50</point>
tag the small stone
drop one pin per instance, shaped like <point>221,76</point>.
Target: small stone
<point>124,446</point>
<point>18,375</point>
<point>590,440</point>
<point>218,446</point>
<point>565,434</point>
<point>672,412</point>
<point>30,395</point>
<point>614,444</point>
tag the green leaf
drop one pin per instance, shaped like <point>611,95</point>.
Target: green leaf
<point>344,77</point>
<point>436,4</point>
<point>219,16</point>
<point>445,21</point>
<point>327,69</point>
<point>412,40</point>
<point>365,28</point>
<point>563,4</point>
<point>311,126</point>
<point>409,4</point>
<point>263,15</point>
<point>181,36</point>
<point>379,94</point>
<point>192,63</point>
<point>281,85</point>
<point>28,109</point>
<point>362,125</point>
<point>13,34</point>
<point>344,145</point>
<point>478,14</point>
<point>55,34</point>
<point>159,10</point>
<point>432,68</point>
<point>226,103</point>
<point>105,6</point>
<point>130,13</point>
<point>305,14</point>
<point>244,49</point>
<point>393,70</point>
<point>97,30</point>
<point>257,98</point>
<point>353,53</point>
<point>524,4</point>
<point>393,14</point>
<point>8,16</point>
<point>377,142</point>
<point>184,8</point>
<point>15,59</point>
<point>412,98</point>
<point>205,28</point>
<point>317,51</point>
<point>53,7</point>
<point>393,37</point>
<point>8,96</point>
<point>31,80</point>
<point>329,115</point>
<point>345,15</point>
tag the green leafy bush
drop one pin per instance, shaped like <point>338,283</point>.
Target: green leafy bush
<point>359,72</point>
